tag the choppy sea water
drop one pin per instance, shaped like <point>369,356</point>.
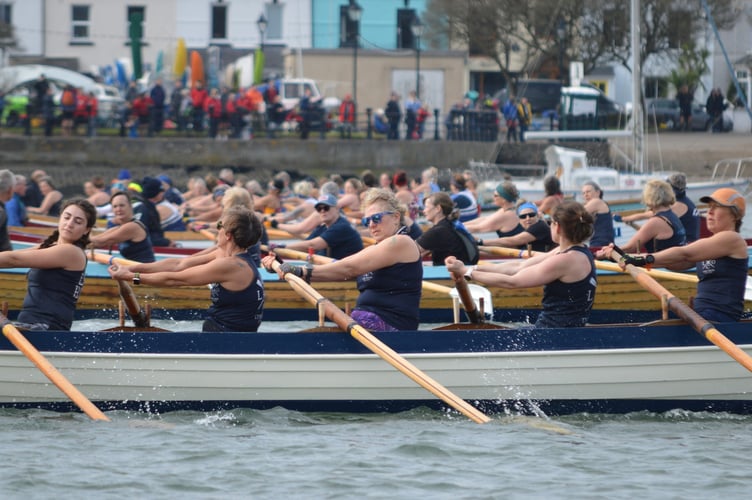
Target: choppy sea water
<point>418,454</point>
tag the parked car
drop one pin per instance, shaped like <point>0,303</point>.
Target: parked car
<point>664,112</point>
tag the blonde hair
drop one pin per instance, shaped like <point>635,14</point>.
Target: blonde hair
<point>237,196</point>
<point>392,204</point>
<point>658,193</point>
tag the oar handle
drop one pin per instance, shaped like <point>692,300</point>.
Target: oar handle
<point>382,350</point>
<point>131,302</point>
<point>49,371</point>
<point>466,297</point>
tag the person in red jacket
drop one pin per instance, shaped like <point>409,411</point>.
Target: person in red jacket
<point>80,114</point>
<point>346,117</point>
<point>92,109</point>
<point>198,98</point>
<point>140,113</point>
<point>213,110</point>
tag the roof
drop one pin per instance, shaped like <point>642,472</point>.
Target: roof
<point>13,76</point>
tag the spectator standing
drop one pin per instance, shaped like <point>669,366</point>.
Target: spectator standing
<point>347,117</point>
<point>48,113</point>
<point>198,97</point>
<point>176,102</point>
<point>685,99</point>
<point>412,105</point>
<point>276,115</point>
<point>158,97</point>
<point>213,110</point>
<point>524,117</point>
<point>510,115</point>
<point>92,111</point>
<point>393,115</point>
<point>41,86</point>
<point>68,101</point>
<point>715,106</point>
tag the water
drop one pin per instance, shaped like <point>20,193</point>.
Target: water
<point>422,453</point>
<point>279,453</point>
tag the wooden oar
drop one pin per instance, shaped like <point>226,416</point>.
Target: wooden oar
<point>476,295</point>
<point>599,264</point>
<point>467,300</point>
<point>49,371</point>
<point>376,346</point>
<point>126,292</point>
<point>700,324</point>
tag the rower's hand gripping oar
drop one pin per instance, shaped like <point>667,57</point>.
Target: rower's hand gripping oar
<point>379,348</point>
<point>140,319</point>
<point>49,371</point>
<point>481,297</point>
<point>700,324</point>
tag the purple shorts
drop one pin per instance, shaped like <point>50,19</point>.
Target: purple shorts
<point>371,321</point>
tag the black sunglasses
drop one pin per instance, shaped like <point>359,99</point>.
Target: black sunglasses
<point>376,218</point>
<point>528,215</point>
<point>219,225</point>
<point>323,208</point>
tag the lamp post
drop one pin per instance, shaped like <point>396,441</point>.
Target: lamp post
<point>354,11</point>
<point>262,23</point>
<point>561,35</point>
<point>417,28</point>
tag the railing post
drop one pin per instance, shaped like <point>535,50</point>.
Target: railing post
<point>436,127</point>
<point>369,126</point>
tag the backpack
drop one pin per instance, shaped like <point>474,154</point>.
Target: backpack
<point>471,247</point>
<point>68,98</point>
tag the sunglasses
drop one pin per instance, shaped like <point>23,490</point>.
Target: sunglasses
<point>220,225</point>
<point>527,215</point>
<point>376,218</point>
<point>323,208</point>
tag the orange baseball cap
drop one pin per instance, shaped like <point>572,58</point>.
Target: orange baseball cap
<point>727,197</point>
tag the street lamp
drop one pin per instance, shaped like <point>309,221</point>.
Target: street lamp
<point>262,23</point>
<point>354,11</point>
<point>417,28</point>
<point>561,35</point>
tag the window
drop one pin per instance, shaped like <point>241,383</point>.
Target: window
<point>274,17</point>
<point>219,22</point>
<point>6,13</point>
<point>80,23</point>
<point>132,9</point>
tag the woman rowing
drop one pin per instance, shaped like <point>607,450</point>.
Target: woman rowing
<point>663,229</point>
<point>566,273</point>
<point>722,260</point>
<point>536,232</point>
<point>389,273</point>
<point>445,237</point>
<point>237,291</point>
<point>56,269</point>
<point>504,221</point>
<point>127,232</point>
<point>603,228</point>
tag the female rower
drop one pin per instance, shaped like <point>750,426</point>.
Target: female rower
<point>504,221</point>
<point>603,229</point>
<point>722,260</point>
<point>237,292</point>
<point>536,232</point>
<point>663,229</point>
<point>52,201</point>
<point>57,268</point>
<point>127,232</point>
<point>566,273</point>
<point>389,273</point>
<point>445,238</point>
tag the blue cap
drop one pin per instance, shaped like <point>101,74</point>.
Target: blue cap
<point>165,178</point>
<point>327,199</point>
<point>124,174</point>
<point>527,205</point>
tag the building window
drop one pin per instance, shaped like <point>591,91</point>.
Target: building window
<point>219,22</point>
<point>6,13</point>
<point>133,9</point>
<point>80,24</point>
<point>274,18</point>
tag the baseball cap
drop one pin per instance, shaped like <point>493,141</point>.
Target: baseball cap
<point>727,197</point>
<point>165,178</point>
<point>326,199</point>
<point>151,187</point>
<point>124,174</point>
<point>678,181</point>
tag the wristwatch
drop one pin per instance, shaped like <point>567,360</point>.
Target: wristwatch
<point>136,278</point>
<point>649,258</point>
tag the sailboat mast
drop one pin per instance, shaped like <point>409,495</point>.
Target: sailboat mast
<point>637,132</point>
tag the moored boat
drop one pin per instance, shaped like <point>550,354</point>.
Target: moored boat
<point>606,368</point>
